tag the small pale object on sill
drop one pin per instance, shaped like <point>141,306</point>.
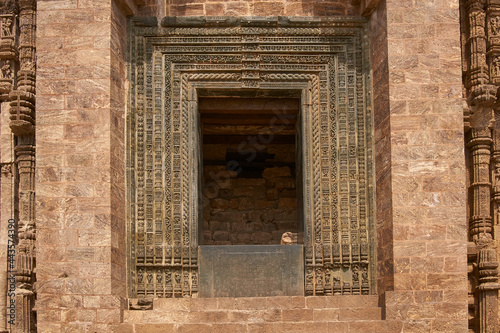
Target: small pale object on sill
<point>289,238</point>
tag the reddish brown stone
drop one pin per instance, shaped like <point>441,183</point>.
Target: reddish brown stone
<point>267,8</point>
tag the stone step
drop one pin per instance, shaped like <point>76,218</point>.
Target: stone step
<point>376,326</point>
<point>254,316</point>
<point>256,303</point>
<point>258,310</point>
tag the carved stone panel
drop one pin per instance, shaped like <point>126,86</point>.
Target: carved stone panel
<point>324,61</point>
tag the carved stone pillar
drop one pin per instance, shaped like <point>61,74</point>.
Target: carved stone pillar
<point>9,64</point>
<point>25,261</point>
<point>7,212</point>
<point>488,286</point>
<point>495,159</point>
<point>480,187</point>
<point>493,45</point>
<point>23,98</point>
<point>477,75</point>
<point>22,117</point>
<point>481,226</point>
<point>8,49</point>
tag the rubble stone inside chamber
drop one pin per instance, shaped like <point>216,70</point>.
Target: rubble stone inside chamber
<point>249,176</point>
<point>238,210</point>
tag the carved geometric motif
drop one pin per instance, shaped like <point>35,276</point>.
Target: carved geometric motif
<point>325,60</point>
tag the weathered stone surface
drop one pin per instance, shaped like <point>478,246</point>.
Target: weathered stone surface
<point>257,199</point>
<point>271,270</point>
<point>277,172</point>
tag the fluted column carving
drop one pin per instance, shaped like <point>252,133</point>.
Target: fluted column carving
<point>493,40</point>
<point>25,261</point>
<point>482,57</point>
<point>9,55</point>
<point>22,124</point>
<point>477,80</point>
<point>488,286</point>
<point>480,221</point>
<point>23,98</point>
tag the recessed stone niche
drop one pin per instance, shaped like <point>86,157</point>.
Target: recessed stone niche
<point>249,170</point>
<point>176,67</point>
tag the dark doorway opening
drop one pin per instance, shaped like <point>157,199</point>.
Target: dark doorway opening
<point>251,172</point>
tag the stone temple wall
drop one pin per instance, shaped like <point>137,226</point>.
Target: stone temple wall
<point>421,234</point>
<point>422,165</point>
<point>258,8</point>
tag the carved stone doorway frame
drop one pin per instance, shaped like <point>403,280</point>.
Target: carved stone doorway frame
<point>326,60</point>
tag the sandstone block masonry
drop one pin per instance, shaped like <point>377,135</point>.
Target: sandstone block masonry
<point>80,176</point>
<point>423,135</point>
<point>238,210</point>
<point>81,272</point>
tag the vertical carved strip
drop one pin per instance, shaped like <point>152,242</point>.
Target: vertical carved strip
<point>148,167</point>
<point>493,56</point>
<point>334,167</point>
<point>250,69</point>
<point>488,286</point>
<point>177,185</point>
<point>22,113</point>
<point>318,187</point>
<point>309,275</point>
<point>493,41</point>
<point>362,156</point>
<point>186,165</point>
<point>477,75</point>
<point>9,54</point>
<point>495,161</point>
<point>481,228</point>
<point>187,132</point>
<point>158,172</point>
<point>345,244</point>
<point>22,116</point>
<point>168,153</point>
<point>140,169</point>
<point>483,74</point>
<point>9,62</point>
<point>131,166</point>
<point>25,260</point>
<point>352,169</point>
<point>480,187</point>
